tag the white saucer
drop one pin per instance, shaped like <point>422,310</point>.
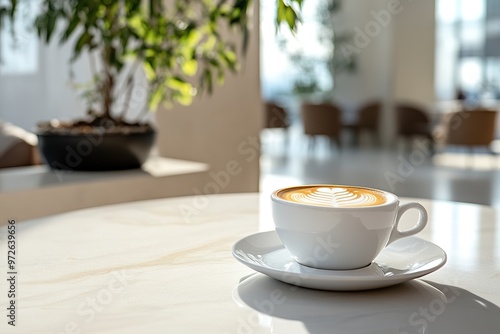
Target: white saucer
<point>403,260</point>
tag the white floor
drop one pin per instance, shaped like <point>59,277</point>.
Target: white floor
<point>450,174</point>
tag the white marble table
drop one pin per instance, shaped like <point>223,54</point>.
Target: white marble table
<point>165,266</point>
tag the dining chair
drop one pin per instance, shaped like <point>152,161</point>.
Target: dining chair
<point>471,128</point>
<point>367,121</point>
<point>275,116</point>
<point>413,121</point>
<point>322,119</point>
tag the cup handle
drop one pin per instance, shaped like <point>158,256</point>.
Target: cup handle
<point>422,221</point>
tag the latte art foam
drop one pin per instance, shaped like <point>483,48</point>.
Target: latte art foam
<point>334,196</point>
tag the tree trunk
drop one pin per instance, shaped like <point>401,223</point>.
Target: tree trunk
<point>108,86</point>
<point>107,100</point>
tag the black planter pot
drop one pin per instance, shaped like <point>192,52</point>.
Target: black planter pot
<point>96,151</point>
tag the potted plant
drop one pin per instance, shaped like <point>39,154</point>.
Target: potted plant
<point>180,48</point>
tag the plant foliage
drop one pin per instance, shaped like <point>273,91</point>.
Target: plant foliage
<point>183,46</point>
<point>171,43</point>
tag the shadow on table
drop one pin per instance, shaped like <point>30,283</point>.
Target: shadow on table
<point>409,308</point>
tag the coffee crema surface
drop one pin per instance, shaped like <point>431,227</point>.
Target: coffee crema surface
<point>334,196</point>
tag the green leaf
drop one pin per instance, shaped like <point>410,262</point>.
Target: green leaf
<point>220,77</point>
<point>286,13</point>
<point>14,4</point>
<point>179,85</point>
<point>149,71</point>
<point>291,18</point>
<point>181,90</point>
<point>136,23</point>
<point>193,39</point>
<point>207,81</point>
<point>155,99</point>
<point>84,40</point>
<point>73,23</point>
<point>230,57</point>
<point>280,14</point>
<point>189,67</point>
<point>210,43</point>
<point>185,99</point>
<point>50,24</point>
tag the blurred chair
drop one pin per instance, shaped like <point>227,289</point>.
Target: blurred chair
<point>368,120</point>
<point>18,147</point>
<point>412,122</point>
<point>470,128</point>
<point>275,116</point>
<point>322,119</point>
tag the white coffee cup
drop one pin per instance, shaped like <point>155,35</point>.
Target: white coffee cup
<point>338,227</point>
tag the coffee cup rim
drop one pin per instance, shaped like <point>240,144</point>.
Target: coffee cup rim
<point>392,198</point>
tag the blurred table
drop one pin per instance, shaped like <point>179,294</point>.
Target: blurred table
<point>165,266</point>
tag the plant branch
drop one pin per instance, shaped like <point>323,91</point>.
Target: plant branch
<point>108,85</point>
<point>144,111</point>
<point>92,65</point>
<point>130,86</point>
<point>129,75</point>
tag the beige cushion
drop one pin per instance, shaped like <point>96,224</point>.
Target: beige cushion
<point>17,146</point>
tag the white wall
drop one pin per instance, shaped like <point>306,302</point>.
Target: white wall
<point>372,76</point>
<point>395,55</point>
<point>414,52</point>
